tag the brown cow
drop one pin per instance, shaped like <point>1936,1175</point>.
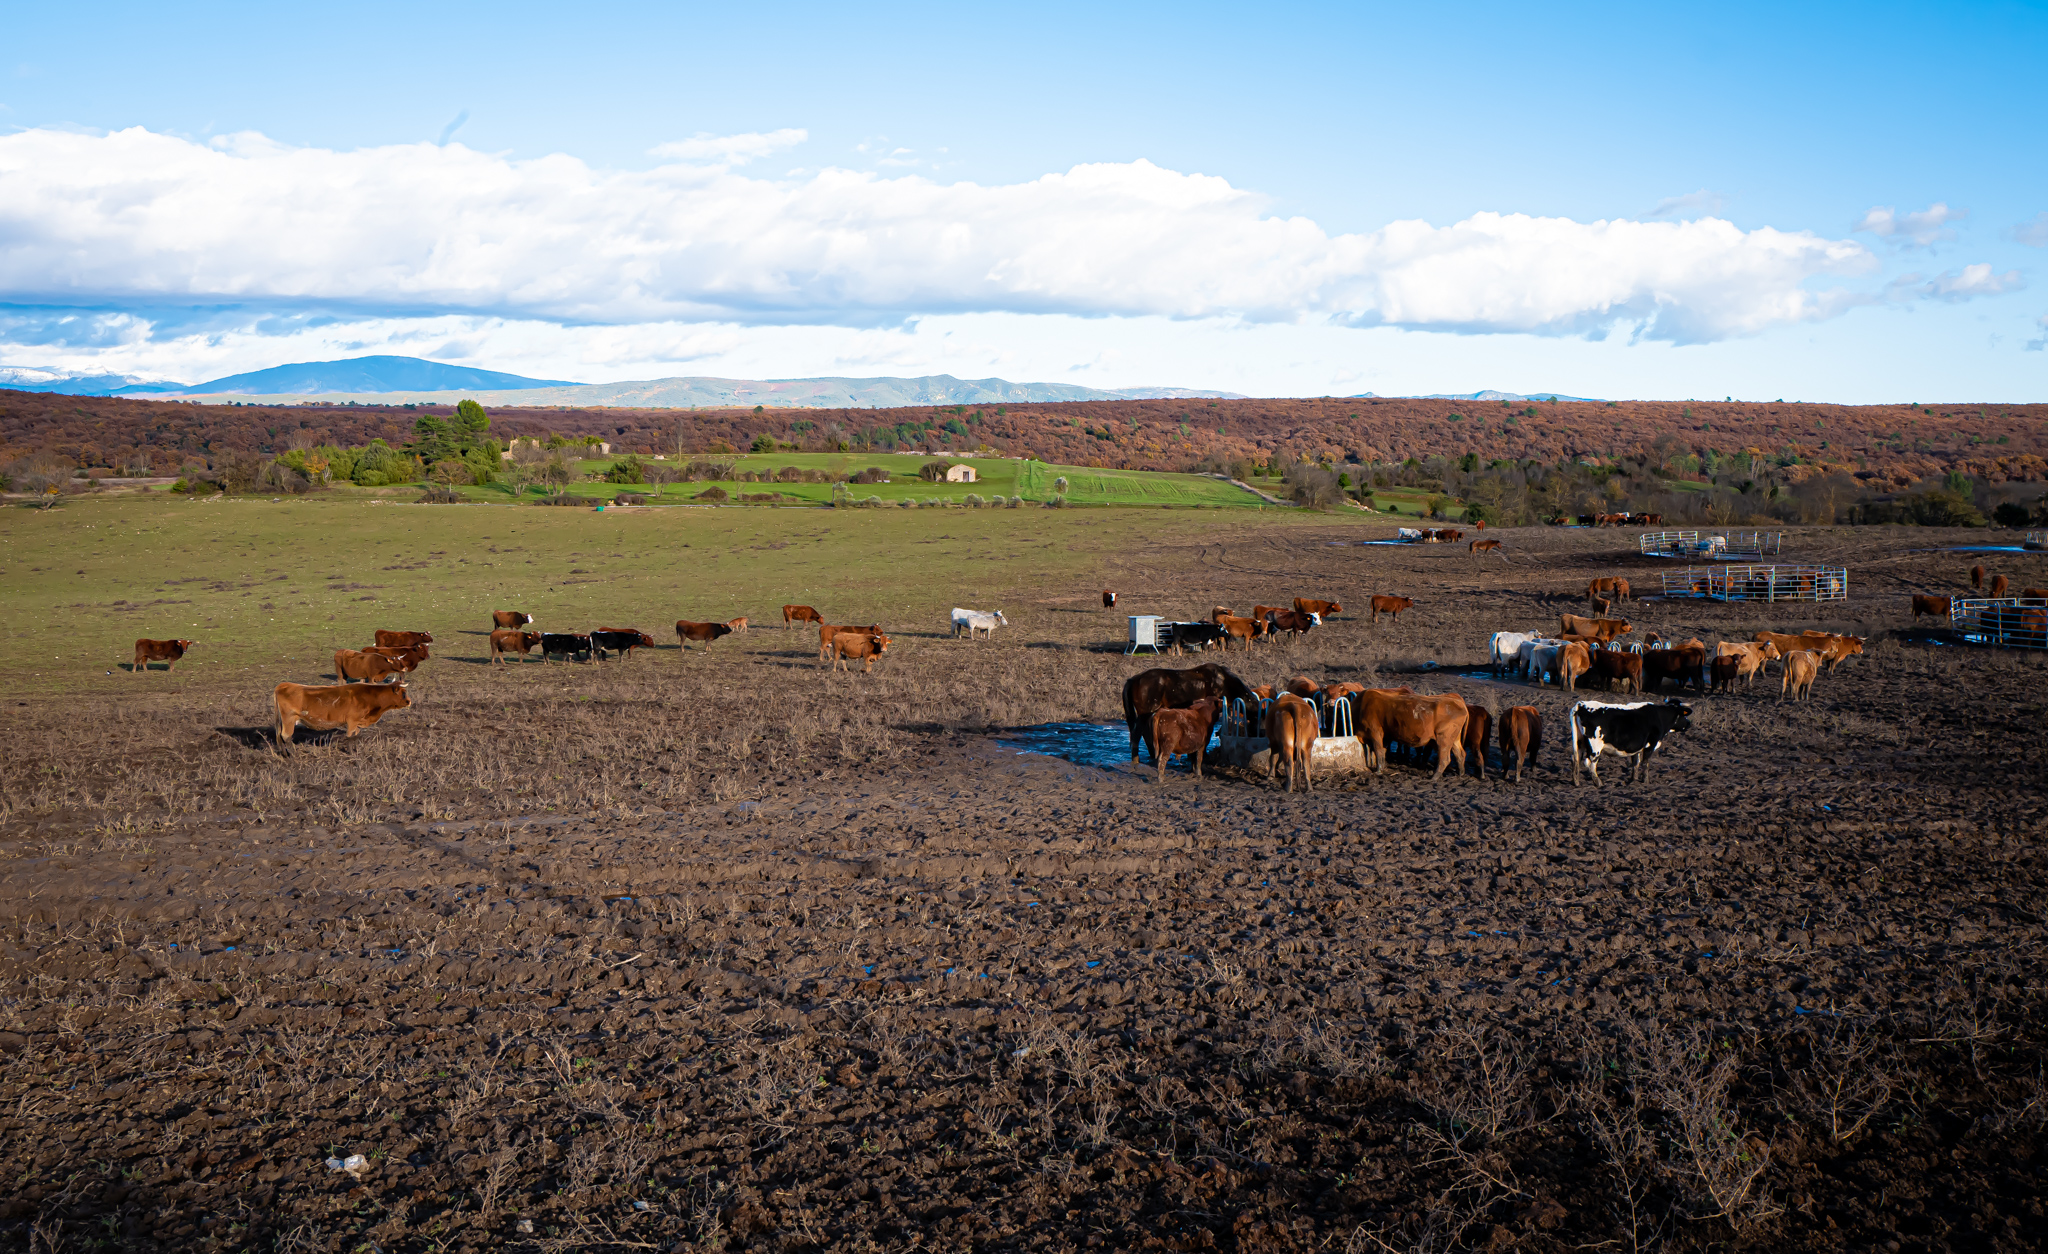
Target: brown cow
<point>1612,666</point>
<point>1604,584</point>
<point>1924,604</point>
<point>1722,671</point>
<point>1999,584</point>
<point>1832,649</point>
<point>1599,628</point>
<point>1484,546</point>
<point>1478,726</point>
<point>827,631</point>
<point>2034,594</point>
<point>858,647</point>
<point>1291,735</point>
<point>404,639</point>
<point>1245,629</point>
<point>1574,660</point>
<point>1977,578</point>
<point>702,633</point>
<point>350,665</point>
<point>1290,621</point>
<point>1749,658</point>
<point>1381,715</point>
<point>1304,687</point>
<point>1219,613</point>
<point>520,642</point>
<point>1390,605</point>
<point>327,708</point>
<point>1108,599</point>
<point>165,651</point>
<point>507,620</point>
<point>1337,692</point>
<point>1682,664</point>
<point>1521,734</point>
<point>1322,609</point>
<point>737,624</point>
<point>409,658</point>
<point>1800,668</point>
<point>1261,611</point>
<point>1600,606</point>
<point>1183,731</point>
<point>800,614</point>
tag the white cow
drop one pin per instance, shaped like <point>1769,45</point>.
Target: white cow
<point>1506,649</point>
<point>1408,533</point>
<point>977,620</point>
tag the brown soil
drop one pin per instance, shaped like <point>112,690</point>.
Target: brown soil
<point>773,961</point>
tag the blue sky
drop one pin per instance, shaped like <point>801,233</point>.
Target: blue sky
<point>1835,202</point>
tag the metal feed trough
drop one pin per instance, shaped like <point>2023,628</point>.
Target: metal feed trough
<point>1728,546</point>
<point>1759,583</point>
<point>2007,622</point>
<point>1241,741</point>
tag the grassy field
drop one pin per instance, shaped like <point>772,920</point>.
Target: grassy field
<point>997,476</point>
<point>270,589</point>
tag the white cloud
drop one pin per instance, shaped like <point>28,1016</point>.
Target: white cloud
<point>1913,230</point>
<point>2033,234</point>
<point>136,218</point>
<point>1688,205</point>
<point>2035,346</point>
<point>731,149</point>
<point>1955,286</point>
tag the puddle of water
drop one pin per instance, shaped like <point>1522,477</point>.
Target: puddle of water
<point>1986,548</point>
<point>1083,744</point>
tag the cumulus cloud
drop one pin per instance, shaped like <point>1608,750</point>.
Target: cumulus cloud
<point>1955,286</point>
<point>135,218</point>
<point>731,149</point>
<point>1924,229</point>
<point>2033,234</point>
<point>1689,205</point>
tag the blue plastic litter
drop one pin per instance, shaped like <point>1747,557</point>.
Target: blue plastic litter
<point>869,969</point>
<point>231,949</point>
<point>1031,903</point>
<point>1095,963</point>
<point>951,970</point>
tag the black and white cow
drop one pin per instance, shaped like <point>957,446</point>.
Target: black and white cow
<point>1634,730</point>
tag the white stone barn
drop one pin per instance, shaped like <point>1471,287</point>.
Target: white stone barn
<point>960,474</point>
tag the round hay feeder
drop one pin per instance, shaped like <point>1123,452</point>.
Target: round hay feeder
<point>1241,740</point>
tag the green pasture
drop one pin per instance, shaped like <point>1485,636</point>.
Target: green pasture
<point>1034,481</point>
<point>271,588</point>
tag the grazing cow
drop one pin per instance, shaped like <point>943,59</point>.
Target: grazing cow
<point>1409,534</point>
<point>826,631</point>
<point>1108,599</point>
<point>165,651</point>
<point>1390,605</point>
<point>566,643</point>
<point>1924,604</point>
<point>1504,650</point>
<point>503,642</point>
<point>327,708</point>
<point>1478,726</point>
<point>1219,613</point>
<point>1265,692</point>
<point>350,665</point>
<point>1291,735</point>
<point>619,640</point>
<point>1321,609</point>
<point>1749,658</point>
<point>508,620</point>
<point>972,621</point>
<point>1634,731</point>
<point>1304,687</point>
<point>1800,668</point>
<point>703,633</point>
<point>1600,606</point>
<point>1184,731</point>
<point>1485,546</point>
<point>1290,621</point>
<point>1381,715</point>
<point>1999,584</point>
<point>1242,629</point>
<point>848,644</point>
<point>404,639</point>
<point>2034,594</point>
<point>1598,628</point>
<point>407,660</point>
<point>1613,666</point>
<point>800,614</point>
<point>737,624</point>
<point>1521,734</point>
<point>1683,664</point>
<point>1977,578</point>
<point>1163,689</point>
<point>1723,669</point>
<point>1337,692</point>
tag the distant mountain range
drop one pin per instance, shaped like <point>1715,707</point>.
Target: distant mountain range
<point>396,380</point>
<point>1487,396</point>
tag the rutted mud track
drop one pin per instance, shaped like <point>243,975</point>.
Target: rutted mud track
<point>1786,995</point>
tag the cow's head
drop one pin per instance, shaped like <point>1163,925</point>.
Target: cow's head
<point>1682,714</point>
<point>1770,651</point>
<point>186,644</point>
<point>999,618</point>
<point>1315,618</point>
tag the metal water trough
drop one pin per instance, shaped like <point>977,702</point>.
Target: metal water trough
<point>1759,583</point>
<point>2006,622</point>
<point>1240,741</point>
<point>2035,541</point>
<point>1730,546</point>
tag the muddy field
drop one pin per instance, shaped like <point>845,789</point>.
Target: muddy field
<point>721,952</point>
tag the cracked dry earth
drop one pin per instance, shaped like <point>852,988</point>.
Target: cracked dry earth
<point>932,993</point>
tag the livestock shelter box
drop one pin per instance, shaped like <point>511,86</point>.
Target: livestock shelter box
<point>1147,633</point>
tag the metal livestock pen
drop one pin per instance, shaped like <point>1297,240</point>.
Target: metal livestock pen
<point>1720,546</point>
<point>1759,583</point>
<point>2007,622</point>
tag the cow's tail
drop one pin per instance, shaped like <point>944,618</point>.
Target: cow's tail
<point>1572,730</point>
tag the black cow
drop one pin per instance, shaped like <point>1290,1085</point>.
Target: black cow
<point>1164,689</point>
<point>1197,635</point>
<point>1634,731</point>
<point>619,640</point>
<point>567,643</point>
